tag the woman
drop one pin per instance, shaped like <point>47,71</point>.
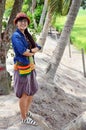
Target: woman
<point>25,84</point>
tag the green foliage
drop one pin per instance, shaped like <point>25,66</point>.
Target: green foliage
<point>39,28</point>
<point>4,23</point>
<point>78,34</point>
<point>7,13</point>
<point>25,7</point>
<point>9,4</point>
<point>58,8</point>
<point>54,18</point>
<point>37,13</point>
<point>65,7</point>
<point>59,23</point>
<point>55,6</point>
<point>27,2</point>
<point>8,8</point>
<point>83,4</point>
<point>34,36</point>
<point>31,20</point>
<point>40,2</point>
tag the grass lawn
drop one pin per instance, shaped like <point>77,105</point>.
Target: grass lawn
<point>78,34</point>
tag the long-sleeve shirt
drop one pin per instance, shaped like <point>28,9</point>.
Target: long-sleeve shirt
<point>20,45</point>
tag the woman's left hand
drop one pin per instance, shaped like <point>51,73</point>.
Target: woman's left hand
<point>34,50</point>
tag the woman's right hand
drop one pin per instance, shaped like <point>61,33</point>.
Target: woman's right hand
<point>28,53</point>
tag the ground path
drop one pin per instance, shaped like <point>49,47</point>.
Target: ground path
<point>10,115</point>
<point>54,104</point>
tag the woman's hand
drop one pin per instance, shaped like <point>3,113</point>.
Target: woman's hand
<point>28,53</point>
<point>34,50</point>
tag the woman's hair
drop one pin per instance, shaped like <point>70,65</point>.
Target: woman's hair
<point>30,39</point>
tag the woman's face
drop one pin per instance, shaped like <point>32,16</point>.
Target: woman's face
<point>22,24</point>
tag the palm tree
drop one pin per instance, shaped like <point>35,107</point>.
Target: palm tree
<point>3,81</point>
<point>44,32</point>
<point>83,4</point>
<point>16,8</point>
<point>32,10</point>
<point>55,7</point>
<point>5,39</point>
<point>59,50</point>
<point>43,13</point>
<point>2,8</point>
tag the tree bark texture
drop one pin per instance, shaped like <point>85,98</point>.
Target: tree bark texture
<point>43,13</point>
<point>2,8</point>
<point>44,32</point>
<point>59,50</point>
<point>16,9</point>
<point>5,83</point>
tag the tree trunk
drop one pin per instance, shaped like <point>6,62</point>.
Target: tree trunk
<point>44,33</point>
<point>2,8</point>
<point>4,85</point>
<point>59,50</point>
<point>43,13</point>
<point>16,9</point>
<point>5,80</point>
<point>33,4</point>
<point>32,10</point>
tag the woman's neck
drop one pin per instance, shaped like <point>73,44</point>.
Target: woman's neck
<point>22,31</point>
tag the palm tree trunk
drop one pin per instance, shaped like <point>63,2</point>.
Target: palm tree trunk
<point>5,85</point>
<point>59,50</point>
<point>16,9</point>
<point>2,8</point>
<point>32,10</point>
<point>43,13</point>
<point>44,33</point>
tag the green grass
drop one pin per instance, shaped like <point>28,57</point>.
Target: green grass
<point>78,34</point>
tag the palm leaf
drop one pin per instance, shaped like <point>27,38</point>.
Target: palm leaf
<point>55,6</point>
<point>66,6</point>
<point>59,6</point>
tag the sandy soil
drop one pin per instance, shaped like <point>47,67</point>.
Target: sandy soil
<point>61,101</point>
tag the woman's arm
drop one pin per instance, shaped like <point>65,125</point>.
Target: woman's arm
<point>28,53</point>
<point>37,48</point>
<point>34,50</point>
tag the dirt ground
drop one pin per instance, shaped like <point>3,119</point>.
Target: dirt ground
<point>63,100</point>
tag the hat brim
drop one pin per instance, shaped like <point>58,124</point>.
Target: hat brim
<point>17,18</point>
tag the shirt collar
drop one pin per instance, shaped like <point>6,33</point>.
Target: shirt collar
<point>17,30</point>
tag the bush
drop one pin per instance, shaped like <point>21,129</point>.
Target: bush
<point>31,20</point>
<point>25,8</point>
<point>37,13</point>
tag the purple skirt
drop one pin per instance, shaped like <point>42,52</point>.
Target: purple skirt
<point>25,84</point>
